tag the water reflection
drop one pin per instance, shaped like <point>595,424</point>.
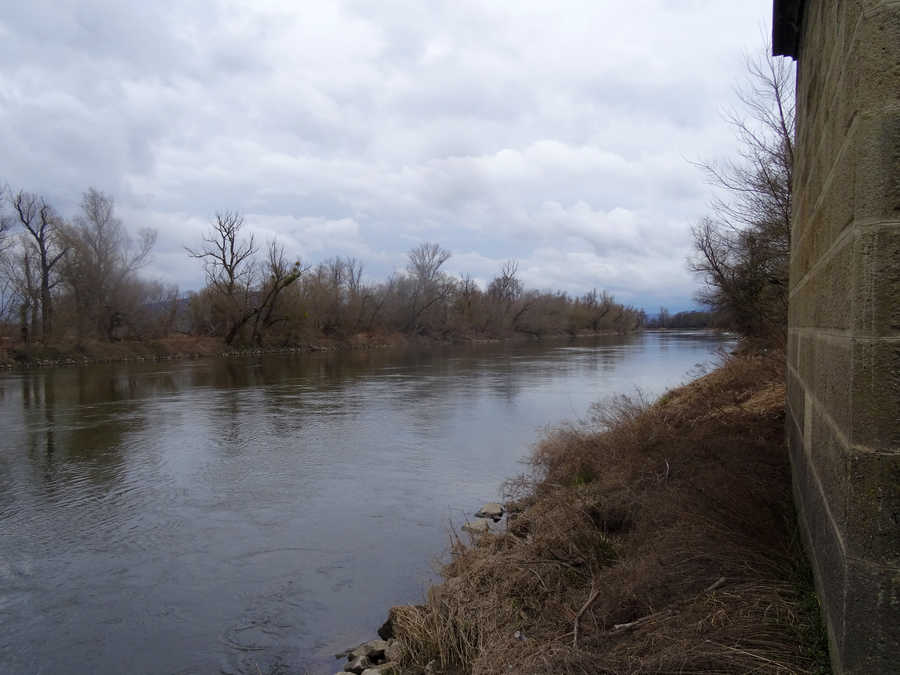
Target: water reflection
<point>70,418</point>
<point>229,515</point>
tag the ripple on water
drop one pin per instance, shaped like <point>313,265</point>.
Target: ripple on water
<point>222,515</point>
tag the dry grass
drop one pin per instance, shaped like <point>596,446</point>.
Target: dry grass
<point>661,539</point>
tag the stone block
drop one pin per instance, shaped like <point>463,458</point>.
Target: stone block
<point>873,507</point>
<point>801,307</point>
<point>845,72</point>
<point>811,78</point>
<point>832,288</point>
<point>793,345</point>
<point>823,298</point>
<point>876,301</point>
<point>799,462</point>
<point>877,173</point>
<point>803,204</point>
<point>806,361</point>
<point>872,637</point>
<point>835,209</point>
<point>792,314</point>
<point>831,366</point>
<point>875,383</point>
<point>819,168</point>
<point>827,553</point>
<point>802,253</point>
<point>796,396</point>
<point>872,76</point>
<point>794,424</point>
<point>829,456</point>
<point>849,13</point>
<point>804,175</point>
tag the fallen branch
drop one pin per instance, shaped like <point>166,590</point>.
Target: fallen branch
<point>664,476</point>
<point>595,592</point>
<point>719,582</point>
<point>638,622</point>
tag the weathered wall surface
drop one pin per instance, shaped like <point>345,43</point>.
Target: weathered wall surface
<point>844,323</point>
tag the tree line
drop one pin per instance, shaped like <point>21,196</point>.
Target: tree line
<point>256,296</point>
<point>80,279</point>
<point>75,279</point>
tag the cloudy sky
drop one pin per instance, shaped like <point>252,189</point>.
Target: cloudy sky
<point>557,134</point>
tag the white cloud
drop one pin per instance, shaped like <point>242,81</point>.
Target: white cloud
<point>557,134</point>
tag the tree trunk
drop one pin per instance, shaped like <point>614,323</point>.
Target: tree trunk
<point>46,307</point>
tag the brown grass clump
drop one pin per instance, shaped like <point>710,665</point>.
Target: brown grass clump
<point>660,539</point>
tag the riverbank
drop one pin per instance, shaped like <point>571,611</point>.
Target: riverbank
<point>192,347</point>
<point>163,349</point>
<point>663,539</point>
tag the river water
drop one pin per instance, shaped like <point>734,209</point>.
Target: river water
<point>257,515</point>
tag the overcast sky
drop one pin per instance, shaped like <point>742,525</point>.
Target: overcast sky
<point>555,133</point>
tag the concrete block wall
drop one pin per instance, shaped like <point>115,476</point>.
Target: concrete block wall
<point>844,323</point>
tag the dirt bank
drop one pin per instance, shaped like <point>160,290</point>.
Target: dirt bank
<point>38,355</point>
<point>663,539</point>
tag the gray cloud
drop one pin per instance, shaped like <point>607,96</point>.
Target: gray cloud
<point>554,134</point>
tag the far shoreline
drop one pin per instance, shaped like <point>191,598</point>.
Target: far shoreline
<point>20,358</point>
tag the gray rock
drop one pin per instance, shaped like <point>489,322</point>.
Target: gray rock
<point>492,510</point>
<point>346,653</point>
<point>373,649</point>
<point>357,664</point>
<point>376,648</point>
<point>477,526</point>
<point>383,669</point>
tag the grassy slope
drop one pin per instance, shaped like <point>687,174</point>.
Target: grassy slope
<point>661,541</point>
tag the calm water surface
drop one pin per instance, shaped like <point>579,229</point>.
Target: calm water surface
<point>234,515</point>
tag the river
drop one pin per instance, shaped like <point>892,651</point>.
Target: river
<point>257,515</point>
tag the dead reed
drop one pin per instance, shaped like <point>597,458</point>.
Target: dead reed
<point>655,539</point>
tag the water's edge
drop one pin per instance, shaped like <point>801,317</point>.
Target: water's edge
<point>263,512</point>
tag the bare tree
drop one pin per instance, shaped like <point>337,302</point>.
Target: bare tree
<point>425,261</point>
<point>8,295</point>
<point>42,227</point>
<point>228,265</point>
<point>353,269</point>
<point>358,296</point>
<point>157,313</point>
<point>326,291</point>
<point>379,297</point>
<point>429,285</point>
<point>280,276</point>
<point>226,257</point>
<point>506,287</point>
<point>596,307</point>
<point>5,222</point>
<point>743,249</point>
<point>503,294</point>
<point>231,275</point>
<point>23,285</point>
<point>468,300</point>
<point>100,269</point>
